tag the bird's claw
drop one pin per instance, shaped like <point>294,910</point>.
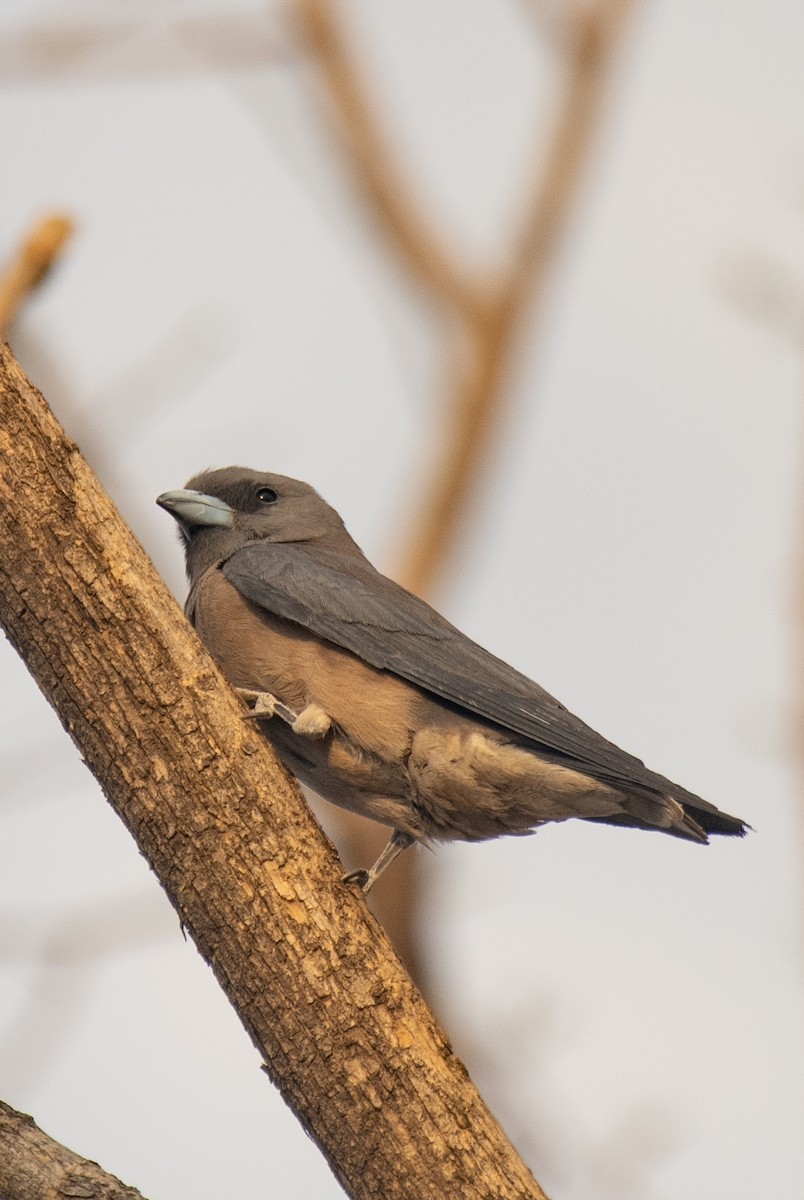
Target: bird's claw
<point>366,879</point>
<point>312,721</point>
<point>265,706</point>
<point>360,877</point>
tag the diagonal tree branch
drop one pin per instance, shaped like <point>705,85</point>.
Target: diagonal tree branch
<point>35,1167</point>
<point>343,1032</point>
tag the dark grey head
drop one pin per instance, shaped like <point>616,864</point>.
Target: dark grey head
<point>220,511</point>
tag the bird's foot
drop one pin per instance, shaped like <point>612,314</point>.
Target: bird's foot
<point>312,721</point>
<point>265,706</point>
<point>365,879</point>
<point>360,877</point>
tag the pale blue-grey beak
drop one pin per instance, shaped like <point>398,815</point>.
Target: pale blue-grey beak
<point>194,508</point>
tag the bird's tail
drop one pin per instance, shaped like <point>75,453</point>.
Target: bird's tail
<point>686,816</point>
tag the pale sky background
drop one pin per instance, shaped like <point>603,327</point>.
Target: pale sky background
<point>630,1005</point>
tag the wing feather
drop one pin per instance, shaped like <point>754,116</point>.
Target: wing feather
<point>343,599</point>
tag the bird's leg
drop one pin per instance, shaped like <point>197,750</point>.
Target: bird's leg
<point>312,721</point>
<point>366,879</point>
<point>265,706</point>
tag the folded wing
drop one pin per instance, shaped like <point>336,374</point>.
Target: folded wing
<point>343,599</point>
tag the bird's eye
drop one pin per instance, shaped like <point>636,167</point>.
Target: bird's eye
<point>266,496</point>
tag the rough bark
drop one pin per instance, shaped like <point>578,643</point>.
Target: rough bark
<point>34,1167</point>
<point>343,1032</point>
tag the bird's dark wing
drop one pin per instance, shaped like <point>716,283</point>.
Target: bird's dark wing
<point>341,598</point>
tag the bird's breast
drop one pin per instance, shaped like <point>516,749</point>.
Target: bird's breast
<point>374,714</point>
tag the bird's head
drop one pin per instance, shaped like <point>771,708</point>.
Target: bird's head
<point>219,512</point>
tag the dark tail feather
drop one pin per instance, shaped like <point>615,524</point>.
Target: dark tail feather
<point>685,816</point>
<point>709,819</point>
<point>715,821</point>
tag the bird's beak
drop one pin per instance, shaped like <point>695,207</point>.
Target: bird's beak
<point>194,508</point>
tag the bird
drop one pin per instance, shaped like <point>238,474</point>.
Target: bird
<point>375,701</point>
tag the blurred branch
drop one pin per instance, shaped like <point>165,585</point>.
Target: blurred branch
<point>374,166</point>
<point>488,315</point>
<point>115,47</point>
<point>477,393</point>
<point>31,264</point>
<point>62,972</point>
<point>769,293</point>
<point>35,1167</point>
<point>766,291</point>
<point>553,19</point>
<point>342,1031</point>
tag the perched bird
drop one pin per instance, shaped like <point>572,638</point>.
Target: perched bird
<point>378,703</point>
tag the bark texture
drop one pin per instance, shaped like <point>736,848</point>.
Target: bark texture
<point>343,1033</point>
<point>34,1167</point>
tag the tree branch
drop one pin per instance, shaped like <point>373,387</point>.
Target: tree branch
<point>31,264</point>
<point>35,1167</point>
<point>487,313</point>
<point>343,1032</point>
<point>477,390</point>
<point>374,166</point>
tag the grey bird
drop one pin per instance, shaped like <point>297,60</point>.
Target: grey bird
<point>378,703</point>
